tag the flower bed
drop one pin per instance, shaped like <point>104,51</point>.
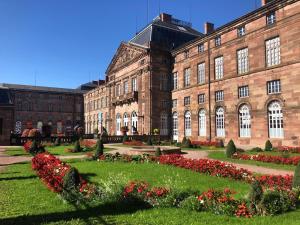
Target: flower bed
<point>268,158</point>
<point>133,143</point>
<point>206,143</point>
<point>288,149</point>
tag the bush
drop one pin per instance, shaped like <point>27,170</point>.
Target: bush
<point>183,141</point>
<point>157,152</point>
<point>57,142</point>
<point>191,203</point>
<point>186,143</point>
<point>256,149</point>
<point>296,179</point>
<point>272,203</point>
<point>77,147</point>
<point>268,146</point>
<point>71,182</point>
<point>36,148</point>
<point>125,138</point>
<point>149,141</point>
<point>230,149</point>
<point>256,193</point>
<point>99,149</point>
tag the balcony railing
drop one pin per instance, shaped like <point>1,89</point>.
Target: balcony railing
<point>125,98</point>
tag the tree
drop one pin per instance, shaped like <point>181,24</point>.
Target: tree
<point>99,149</point>
<point>157,152</point>
<point>268,146</point>
<point>77,147</point>
<point>230,149</point>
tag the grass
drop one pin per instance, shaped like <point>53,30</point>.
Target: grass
<point>221,156</point>
<point>25,199</point>
<point>55,150</point>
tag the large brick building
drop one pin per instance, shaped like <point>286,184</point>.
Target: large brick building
<point>242,80</point>
<point>25,106</point>
<point>137,93</point>
<point>239,81</point>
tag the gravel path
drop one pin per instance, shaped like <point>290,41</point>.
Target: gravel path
<point>7,160</point>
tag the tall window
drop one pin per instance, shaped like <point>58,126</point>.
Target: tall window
<point>186,54</point>
<point>125,120</point>
<point>275,120</point>
<point>134,84</point>
<point>164,124</point>
<point>175,126</point>
<point>187,124</point>
<point>118,90</point>
<point>187,74</point>
<point>174,103</point>
<point>220,122</point>
<point>175,81</point>
<point>201,73</point>
<point>243,61</point>
<point>219,96</point>
<point>273,51</point>
<point>118,124</point>
<point>202,123</point>
<point>219,67</point>
<point>134,122</point>
<point>271,18</point>
<point>245,121</point>
<point>273,87</point>
<point>164,82</point>
<point>18,128</point>
<point>126,87</point>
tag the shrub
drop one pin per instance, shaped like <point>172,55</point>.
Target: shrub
<point>191,203</point>
<point>256,149</point>
<point>57,142</point>
<point>221,144</point>
<point>256,194</point>
<point>77,147</point>
<point>36,148</point>
<point>274,202</point>
<point>296,179</point>
<point>183,142</point>
<point>230,149</point>
<point>71,183</point>
<point>149,141</point>
<point>268,146</point>
<point>99,149</point>
<point>186,143</point>
<point>157,152</point>
<point>125,138</point>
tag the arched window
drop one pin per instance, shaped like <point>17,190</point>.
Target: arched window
<point>134,122</point>
<point>220,125</point>
<point>275,120</point>
<point>125,120</point>
<point>187,124</point>
<point>118,124</point>
<point>175,126</point>
<point>202,123</point>
<point>164,124</point>
<point>245,121</point>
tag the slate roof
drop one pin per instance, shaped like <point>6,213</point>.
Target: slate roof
<point>168,34</point>
<point>40,88</point>
<point>5,98</point>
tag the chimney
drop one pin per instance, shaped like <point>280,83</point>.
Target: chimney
<point>208,28</point>
<point>264,2</point>
<point>164,17</point>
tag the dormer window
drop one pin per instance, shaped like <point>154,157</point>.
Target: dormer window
<point>186,54</point>
<point>218,41</point>
<point>241,31</point>
<point>201,48</point>
<point>271,18</point>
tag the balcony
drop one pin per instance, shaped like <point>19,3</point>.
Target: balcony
<point>125,99</point>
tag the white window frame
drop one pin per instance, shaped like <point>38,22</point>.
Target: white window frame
<point>202,123</point>
<point>201,98</point>
<point>273,87</point>
<point>201,48</point>
<point>273,56</point>
<point>134,121</point>
<point>126,120</point>
<point>134,84</point>
<point>275,118</point>
<point>219,96</point>
<point>271,18</point>
<point>243,61</point>
<point>118,124</point>
<point>187,77</point>
<point>245,121</point>
<point>175,81</point>
<point>174,103</point>
<point>244,91</point>
<point>218,41</point>
<point>219,67</point>
<point>175,126</point>
<point>201,73</point>
<point>220,122</point>
<point>241,31</point>
<point>126,89</point>
<point>187,124</point>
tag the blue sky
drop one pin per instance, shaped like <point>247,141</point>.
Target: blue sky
<point>64,43</point>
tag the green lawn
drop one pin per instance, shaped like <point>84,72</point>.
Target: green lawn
<point>56,150</point>
<point>25,199</point>
<point>221,156</point>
